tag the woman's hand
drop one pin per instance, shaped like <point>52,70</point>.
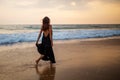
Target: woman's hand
<point>38,37</point>
<point>36,43</point>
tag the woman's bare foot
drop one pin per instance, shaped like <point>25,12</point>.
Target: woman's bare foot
<point>39,59</point>
<point>36,62</point>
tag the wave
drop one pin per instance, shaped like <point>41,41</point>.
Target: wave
<point>6,39</point>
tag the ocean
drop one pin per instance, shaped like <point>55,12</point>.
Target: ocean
<point>11,34</point>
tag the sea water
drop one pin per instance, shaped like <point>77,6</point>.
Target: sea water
<point>10,34</point>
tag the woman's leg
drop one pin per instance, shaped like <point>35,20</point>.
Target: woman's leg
<point>37,61</point>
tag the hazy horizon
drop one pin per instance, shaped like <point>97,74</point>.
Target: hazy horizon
<point>60,11</point>
<point>62,24</point>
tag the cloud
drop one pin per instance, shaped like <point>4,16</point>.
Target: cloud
<point>18,3</point>
<point>110,1</point>
<point>29,3</point>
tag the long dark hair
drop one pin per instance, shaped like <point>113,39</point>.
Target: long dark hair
<point>45,23</point>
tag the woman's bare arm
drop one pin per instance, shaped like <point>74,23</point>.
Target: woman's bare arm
<point>50,29</point>
<point>39,36</point>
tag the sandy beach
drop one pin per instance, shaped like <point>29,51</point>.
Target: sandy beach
<point>97,59</point>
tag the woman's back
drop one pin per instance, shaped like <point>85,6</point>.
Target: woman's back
<point>46,33</point>
<point>46,38</point>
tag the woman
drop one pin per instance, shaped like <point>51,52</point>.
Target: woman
<point>45,47</point>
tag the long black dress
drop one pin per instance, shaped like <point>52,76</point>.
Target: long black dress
<point>46,49</point>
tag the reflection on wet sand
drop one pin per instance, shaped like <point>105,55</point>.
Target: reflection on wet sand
<point>45,72</point>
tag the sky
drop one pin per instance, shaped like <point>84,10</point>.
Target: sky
<point>60,11</point>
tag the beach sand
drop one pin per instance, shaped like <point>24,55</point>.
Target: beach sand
<point>76,60</point>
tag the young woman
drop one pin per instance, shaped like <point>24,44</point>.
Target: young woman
<point>45,47</point>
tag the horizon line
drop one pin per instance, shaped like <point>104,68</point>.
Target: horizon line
<point>64,24</point>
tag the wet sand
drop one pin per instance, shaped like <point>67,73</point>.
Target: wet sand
<point>76,60</point>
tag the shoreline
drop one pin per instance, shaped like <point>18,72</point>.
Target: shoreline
<point>65,41</point>
<point>32,44</point>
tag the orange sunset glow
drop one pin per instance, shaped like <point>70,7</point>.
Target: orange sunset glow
<point>60,11</point>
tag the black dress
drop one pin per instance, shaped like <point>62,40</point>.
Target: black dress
<point>46,49</point>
